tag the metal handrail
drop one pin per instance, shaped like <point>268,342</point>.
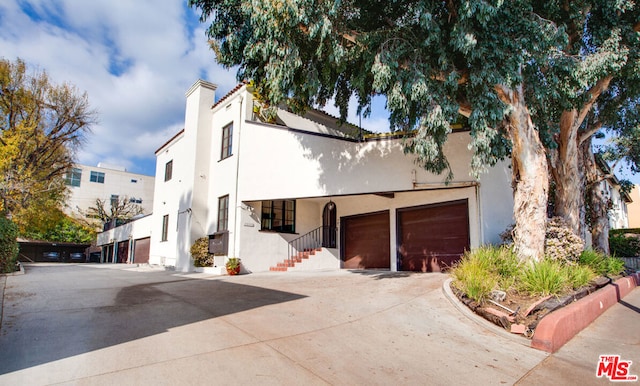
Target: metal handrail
<point>310,241</point>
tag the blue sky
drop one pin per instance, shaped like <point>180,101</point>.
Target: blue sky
<point>135,60</point>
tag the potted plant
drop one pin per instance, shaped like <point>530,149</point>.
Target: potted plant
<point>233,266</point>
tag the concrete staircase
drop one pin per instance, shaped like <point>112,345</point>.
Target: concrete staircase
<point>296,259</point>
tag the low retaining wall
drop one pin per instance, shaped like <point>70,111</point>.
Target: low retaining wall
<point>557,328</point>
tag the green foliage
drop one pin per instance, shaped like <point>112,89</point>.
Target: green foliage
<point>579,276</point>
<point>624,246</point>
<point>232,263</point>
<point>485,269</point>
<point>42,125</point>
<point>601,264</point>
<point>61,228</point>
<point>200,253</point>
<point>546,277</point>
<point>8,245</point>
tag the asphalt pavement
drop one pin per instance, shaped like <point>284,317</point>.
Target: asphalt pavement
<point>100,324</point>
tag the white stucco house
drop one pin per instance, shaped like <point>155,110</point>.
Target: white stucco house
<point>304,193</point>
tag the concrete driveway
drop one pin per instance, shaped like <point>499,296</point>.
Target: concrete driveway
<point>118,324</point>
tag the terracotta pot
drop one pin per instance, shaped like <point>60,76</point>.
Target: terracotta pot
<point>233,271</point>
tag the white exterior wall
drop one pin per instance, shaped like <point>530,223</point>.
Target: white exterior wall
<point>618,216</point>
<point>133,230</point>
<point>271,162</point>
<point>116,182</point>
<point>168,195</point>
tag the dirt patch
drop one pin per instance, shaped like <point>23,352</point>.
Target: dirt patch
<point>524,310</point>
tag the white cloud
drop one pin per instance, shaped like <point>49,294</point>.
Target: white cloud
<point>135,60</point>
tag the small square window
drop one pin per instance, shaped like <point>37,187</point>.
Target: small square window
<point>97,177</point>
<point>73,177</point>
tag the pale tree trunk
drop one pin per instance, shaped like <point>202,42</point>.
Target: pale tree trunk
<point>569,197</point>
<point>598,214</point>
<point>530,178</point>
<point>567,174</point>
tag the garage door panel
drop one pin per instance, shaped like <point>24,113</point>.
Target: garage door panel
<point>141,250</point>
<point>366,241</point>
<point>432,237</point>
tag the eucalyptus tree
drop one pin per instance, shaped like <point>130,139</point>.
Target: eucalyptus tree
<point>433,60</point>
<point>592,84</point>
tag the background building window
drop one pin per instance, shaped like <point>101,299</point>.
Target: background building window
<point>73,177</point>
<point>223,213</point>
<point>97,177</point>
<point>227,133</point>
<point>165,227</point>
<point>279,216</point>
<point>168,170</point>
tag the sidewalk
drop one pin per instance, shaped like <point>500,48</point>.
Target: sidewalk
<point>615,332</point>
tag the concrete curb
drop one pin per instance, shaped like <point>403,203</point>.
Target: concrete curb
<point>557,328</point>
<point>446,288</point>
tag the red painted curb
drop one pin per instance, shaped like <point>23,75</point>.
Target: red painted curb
<point>557,328</point>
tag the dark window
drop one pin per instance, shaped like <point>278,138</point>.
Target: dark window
<point>97,177</point>
<point>73,177</point>
<point>223,213</point>
<point>279,216</point>
<point>134,200</point>
<point>227,132</point>
<point>165,227</point>
<point>134,181</point>
<point>168,170</point>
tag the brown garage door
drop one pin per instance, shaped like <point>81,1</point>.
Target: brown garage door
<point>432,237</point>
<point>141,250</point>
<point>366,241</point>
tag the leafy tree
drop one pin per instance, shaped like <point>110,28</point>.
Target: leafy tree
<point>593,84</point>
<point>526,73</point>
<point>432,59</point>
<point>61,228</point>
<point>42,124</point>
<point>115,211</point>
<point>8,245</point>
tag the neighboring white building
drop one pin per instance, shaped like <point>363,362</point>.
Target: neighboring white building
<point>265,192</point>
<point>618,200</point>
<point>106,182</point>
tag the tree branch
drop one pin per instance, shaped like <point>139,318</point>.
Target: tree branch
<point>588,133</point>
<point>594,93</point>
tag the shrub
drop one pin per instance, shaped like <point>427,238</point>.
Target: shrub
<point>561,243</point>
<point>8,245</point>
<point>624,246</point>
<point>546,277</point>
<point>200,253</point>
